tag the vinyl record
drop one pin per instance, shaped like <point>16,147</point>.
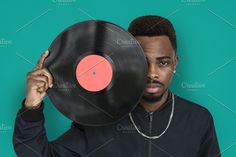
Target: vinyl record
<point>99,73</point>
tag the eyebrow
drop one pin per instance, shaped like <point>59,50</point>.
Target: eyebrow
<point>160,58</point>
<point>164,57</point>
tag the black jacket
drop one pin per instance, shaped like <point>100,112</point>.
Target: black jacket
<point>191,134</point>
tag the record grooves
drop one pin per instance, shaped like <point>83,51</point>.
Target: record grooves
<point>97,80</point>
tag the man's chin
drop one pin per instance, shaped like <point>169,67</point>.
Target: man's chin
<point>152,97</point>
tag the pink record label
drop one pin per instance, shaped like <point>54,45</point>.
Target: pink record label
<point>94,73</point>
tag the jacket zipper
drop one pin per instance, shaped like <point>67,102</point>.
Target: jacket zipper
<point>150,132</point>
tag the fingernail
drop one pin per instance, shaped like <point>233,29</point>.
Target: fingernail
<point>51,85</point>
<point>47,52</point>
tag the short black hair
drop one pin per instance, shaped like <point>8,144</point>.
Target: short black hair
<point>152,25</point>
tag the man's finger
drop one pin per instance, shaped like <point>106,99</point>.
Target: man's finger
<point>41,60</point>
<point>46,73</point>
<point>37,84</point>
<point>41,78</point>
<point>41,86</point>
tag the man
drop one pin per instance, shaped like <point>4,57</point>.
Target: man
<point>161,125</point>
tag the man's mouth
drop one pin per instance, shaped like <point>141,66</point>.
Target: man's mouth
<point>153,88</point>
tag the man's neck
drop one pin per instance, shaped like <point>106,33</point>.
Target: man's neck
<point>151,107</point>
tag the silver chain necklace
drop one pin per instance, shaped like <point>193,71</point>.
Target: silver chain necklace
<point>158,136</point>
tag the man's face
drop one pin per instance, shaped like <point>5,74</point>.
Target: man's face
<point>162,60</point>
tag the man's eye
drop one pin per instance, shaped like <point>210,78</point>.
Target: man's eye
<point>163,63</point>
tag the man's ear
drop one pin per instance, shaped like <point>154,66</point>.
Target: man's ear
<point>176,60</point>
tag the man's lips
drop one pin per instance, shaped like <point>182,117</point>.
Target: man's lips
<point>153,88</point>
<point>153,85</point>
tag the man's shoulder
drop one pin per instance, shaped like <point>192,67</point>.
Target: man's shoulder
<point>189,107</point>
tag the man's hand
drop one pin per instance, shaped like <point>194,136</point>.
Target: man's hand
<point>38,81</point>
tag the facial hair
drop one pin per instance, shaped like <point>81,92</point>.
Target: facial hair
<point>153,97</point>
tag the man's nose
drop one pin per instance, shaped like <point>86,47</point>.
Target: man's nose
<point>153,72</point>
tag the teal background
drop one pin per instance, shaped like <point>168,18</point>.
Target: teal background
<point>206,31</point>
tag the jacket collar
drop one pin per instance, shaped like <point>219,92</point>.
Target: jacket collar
<point>139,109</point>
